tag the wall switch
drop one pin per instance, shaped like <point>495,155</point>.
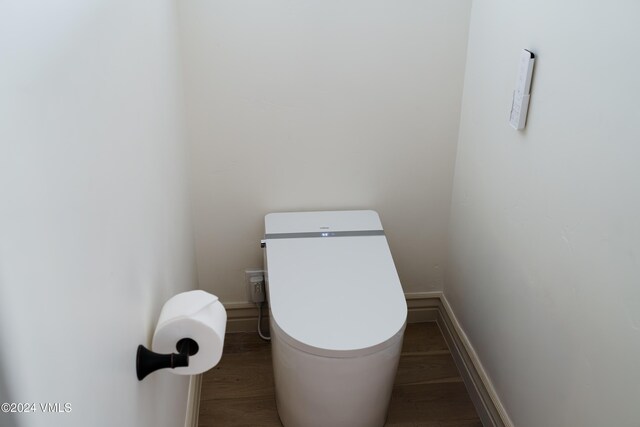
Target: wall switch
<point>254,280</point>
<point>520,102</point>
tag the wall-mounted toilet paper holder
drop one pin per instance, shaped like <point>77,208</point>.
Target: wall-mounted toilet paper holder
<point>148,361</point>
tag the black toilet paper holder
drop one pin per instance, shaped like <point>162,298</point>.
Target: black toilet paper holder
<point>148,361</point>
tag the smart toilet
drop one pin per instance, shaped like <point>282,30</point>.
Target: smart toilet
<point>338,315</point>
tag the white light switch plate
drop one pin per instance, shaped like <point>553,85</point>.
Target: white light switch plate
<point>520,102</point>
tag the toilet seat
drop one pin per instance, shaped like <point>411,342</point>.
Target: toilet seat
<point>332,285</point>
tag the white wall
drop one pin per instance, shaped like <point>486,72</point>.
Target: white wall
<point>94,230</point>
<point>545,247</point>
<point>318,105</point>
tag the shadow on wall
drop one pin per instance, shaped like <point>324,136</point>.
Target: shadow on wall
<point>6,420</point>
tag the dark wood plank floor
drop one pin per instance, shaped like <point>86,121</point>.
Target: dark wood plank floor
<point>428,390</point>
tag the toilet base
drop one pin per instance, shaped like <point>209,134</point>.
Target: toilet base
<point>320,391</point>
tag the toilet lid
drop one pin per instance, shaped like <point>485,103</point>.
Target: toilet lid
<point>332,284</point>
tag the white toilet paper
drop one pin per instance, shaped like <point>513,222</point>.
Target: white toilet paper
<point>197,315</point>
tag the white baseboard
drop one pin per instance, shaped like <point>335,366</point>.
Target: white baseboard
<point>243,317</point>
<point>484,396</point>
<point>193,401</point>
<point>422,307</point>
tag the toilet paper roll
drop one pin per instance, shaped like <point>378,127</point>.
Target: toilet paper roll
<point>197,315</point>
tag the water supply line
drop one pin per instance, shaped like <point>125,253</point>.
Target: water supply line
<point>264,337</point>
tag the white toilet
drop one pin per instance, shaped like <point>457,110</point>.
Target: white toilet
<point>338,315</point>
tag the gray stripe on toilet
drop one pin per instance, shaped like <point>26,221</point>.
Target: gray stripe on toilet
<point>324,234</point>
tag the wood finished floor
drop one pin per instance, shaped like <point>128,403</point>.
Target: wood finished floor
<point>428,390</point>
